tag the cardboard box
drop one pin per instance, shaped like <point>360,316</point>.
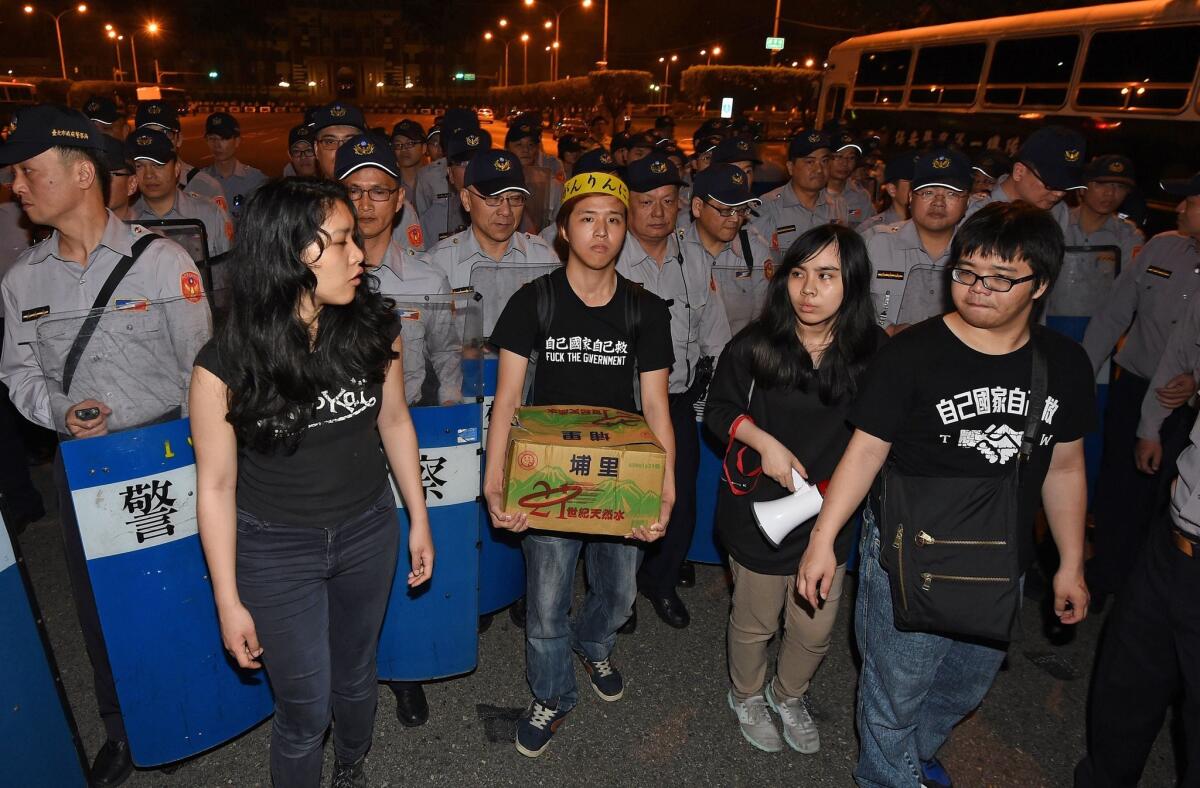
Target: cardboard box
<point>583,469</point>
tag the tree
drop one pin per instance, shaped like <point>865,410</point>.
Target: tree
<point>750,85</point>
<point>612,90</point>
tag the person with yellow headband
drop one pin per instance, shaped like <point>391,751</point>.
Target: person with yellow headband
<point>622,329</point>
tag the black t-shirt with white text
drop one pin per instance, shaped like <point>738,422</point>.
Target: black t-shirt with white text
<point>950,411</point>
<point>589,355</point>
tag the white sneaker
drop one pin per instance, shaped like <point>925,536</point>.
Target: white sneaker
<point>799,730</point>
<point>755,722</point>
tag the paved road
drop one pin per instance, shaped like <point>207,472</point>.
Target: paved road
<point>673,726</point>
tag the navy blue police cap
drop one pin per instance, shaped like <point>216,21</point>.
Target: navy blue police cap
<point>595,160</point>
<point>943,167</point>
<point>223,125</point>
<point>301,133</point>
<point>735,149</point>
<point>365,150</point>
<point>807,142</point>
<point>337,113</point>
<point>650,172</point>
<point>37,129</point>
<point>101,109</point>
<point>150,144</point>
<point>410,130</point>
<point>725,184</point>
<point>993,164</point>
<point>1056,155</point>
<point>1113,168</point>
<point>461,144</point>
<point>156,113</point>
<point>493,172</point>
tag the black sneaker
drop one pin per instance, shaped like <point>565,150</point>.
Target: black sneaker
<point>112,766</point>
<point>349,775</point>
<point>536,727</point>
<point>606,680</point>
<point>934,775</point>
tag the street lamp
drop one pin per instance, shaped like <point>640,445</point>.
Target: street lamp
<point>809,63</point>
<point>666,83</point>
<point>525,66</point>
<point>710,54</point>
<point>117,39</point>
<point>62,58</point>
<point>152,29</point>
<point>489,36</point>
<point>558,12</point>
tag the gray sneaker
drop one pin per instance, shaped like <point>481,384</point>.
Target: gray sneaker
<point>756,723</point>
<point>799,730</point>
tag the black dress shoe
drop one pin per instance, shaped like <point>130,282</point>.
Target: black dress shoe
<point>630,626</point>
<point>671,610</point>
<point>112,765</point>
<point>516,613</point>
<point>411,707</point>
<point>687,575</point>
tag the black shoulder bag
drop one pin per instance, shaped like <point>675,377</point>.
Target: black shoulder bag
<point>98,306</point>
<point>950,545</point>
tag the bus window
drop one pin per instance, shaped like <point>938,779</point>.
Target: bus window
<point>1031,72</point>
<point>947,74</point>
<point>20,93</point>
<point>1149,69</point>
<point>883,69</point>
<point>835,101</point>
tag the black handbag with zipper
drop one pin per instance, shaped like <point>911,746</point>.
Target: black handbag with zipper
<point>950,545</point>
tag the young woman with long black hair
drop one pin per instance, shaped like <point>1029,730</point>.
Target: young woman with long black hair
<point>783,388</point>
<point>290,403</point>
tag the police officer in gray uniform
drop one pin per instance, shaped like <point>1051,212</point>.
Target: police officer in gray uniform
<point>441,214</point>
<point>804,202</point>
<point>1149,298</point>
<point>460,145</point>
<point>162,115</point>
<point>302,156</point>
<point>61,181</point>
<point>897,185</point>
<point>223,134</point>
<point>372,177</point>
<point>155,162</point>
<point>493,194</point>
<point>1049,164</point>
<point>846,153</point>
<point>102,111</point>
<point>908,259</point>
<point>408,143</point>
<point>653,255</point>
<point>741,263</point>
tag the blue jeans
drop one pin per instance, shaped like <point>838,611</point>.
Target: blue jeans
<point>550,635</point>
<point>318,596</point>
<point>914,688</point>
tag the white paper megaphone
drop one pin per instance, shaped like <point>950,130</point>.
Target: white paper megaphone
<point>778,518</point>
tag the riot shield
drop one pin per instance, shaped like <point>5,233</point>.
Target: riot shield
<point>1082,286</point>
<point>191,235</point>
<point>135,500</point>
<point>431,631</point>
<point>705,549</point>
<point>38,739</point>
<point>501,563</point>
<point>135,357</point>
<point>744,290</point>
<point>538,207</point>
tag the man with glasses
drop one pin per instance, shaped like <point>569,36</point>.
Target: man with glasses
<point>333,125</point>
<point>223,134</point>
<point>163,116</point>
<point>843,163</point>
<point>948,399</point>
<point>157,169</point>
<point>123,182</point>
<point>1049,164</point>
<point>908,259</point>
<point>803,202</point>
<point>652,256</point>
<point>441,213</point>
<point>718,236</point>
<point>408,144</point>
<point>302,157</point>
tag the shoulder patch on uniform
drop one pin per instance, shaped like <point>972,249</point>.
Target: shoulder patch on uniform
<point>415,236</point>
<point>889,274</point>
<point>35,313</point>
<point>1156,271</point>
<point>190,286</point>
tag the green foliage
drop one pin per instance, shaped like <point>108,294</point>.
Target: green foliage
<point>616,88</point>
<point>750,85</point>
<point>611,90</point>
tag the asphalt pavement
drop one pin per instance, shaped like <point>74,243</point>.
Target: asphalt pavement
<point>673,726</point>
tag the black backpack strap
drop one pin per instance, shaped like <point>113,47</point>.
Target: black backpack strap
<point>97,311</point>
<point>1037,398</point>
<point>633,311</point>
<point>187,179</point>
<point>544,291</point>
<point>746,253</point>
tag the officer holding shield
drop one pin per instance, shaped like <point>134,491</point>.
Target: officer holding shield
<point>61,182</point>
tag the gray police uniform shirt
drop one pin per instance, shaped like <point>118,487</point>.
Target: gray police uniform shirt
<point>407,230</point>
<point>1185,500</point>
<point>782,218</point>
<point>158,319</point>
<point>427,329</point>
<point>743,286</point>
<point>1060,211</point>
<point>438,206</point>
<point>201,184</point>
<point>907,285</point>
<point>289,171</point>
<point>859,206</point>
<point>1162,282</point>
<point>238,187</point>
<point>217,227</point>
<point>1182,355</point>
<point>699,325</point>
<point>14,239</point>
<point>459,255</point>
<point>889,216</point>
<point>685,208</point>
<point>1086,278</point>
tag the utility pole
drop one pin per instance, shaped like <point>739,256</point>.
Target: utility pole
<point>775,29</point>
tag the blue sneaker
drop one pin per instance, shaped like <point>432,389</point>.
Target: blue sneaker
<point>606,680</point>
<point>934,775</point>
<point>536,727</point>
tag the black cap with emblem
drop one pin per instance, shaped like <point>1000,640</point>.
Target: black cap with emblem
<point>493,172</point>
<point>650,172</point>
<point>365,150</point>
<point>37,129</point>
<point>101,109</point>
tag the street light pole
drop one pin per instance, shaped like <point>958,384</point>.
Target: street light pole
<point>775,29</point>
<point>667,78</point>
<point>525,67</point>
<point>117,39</point>
<point>62,57</point>
<point>604,45</point>
<point>152,29</point>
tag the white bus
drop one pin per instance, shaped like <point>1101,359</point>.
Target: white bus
<point>1125,74</point>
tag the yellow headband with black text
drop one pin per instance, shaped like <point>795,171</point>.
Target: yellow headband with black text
<point>596,183</point>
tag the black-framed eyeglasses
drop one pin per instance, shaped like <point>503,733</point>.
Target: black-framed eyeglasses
<point>741,211</point>
<point>405,145</point>
<point>333,143</point>
<point>302,152</point>
<point>516,200</point>
<point>995,282</point>
<point>376,193</point>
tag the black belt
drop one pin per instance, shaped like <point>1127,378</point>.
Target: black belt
<point>1185,543</point>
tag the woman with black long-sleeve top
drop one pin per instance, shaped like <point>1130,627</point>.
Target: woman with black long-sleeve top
<point>793,373</point>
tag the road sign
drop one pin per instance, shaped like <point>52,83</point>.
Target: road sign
<point>727,107</point>
<point>774,43</point>
<point>468,77</point>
